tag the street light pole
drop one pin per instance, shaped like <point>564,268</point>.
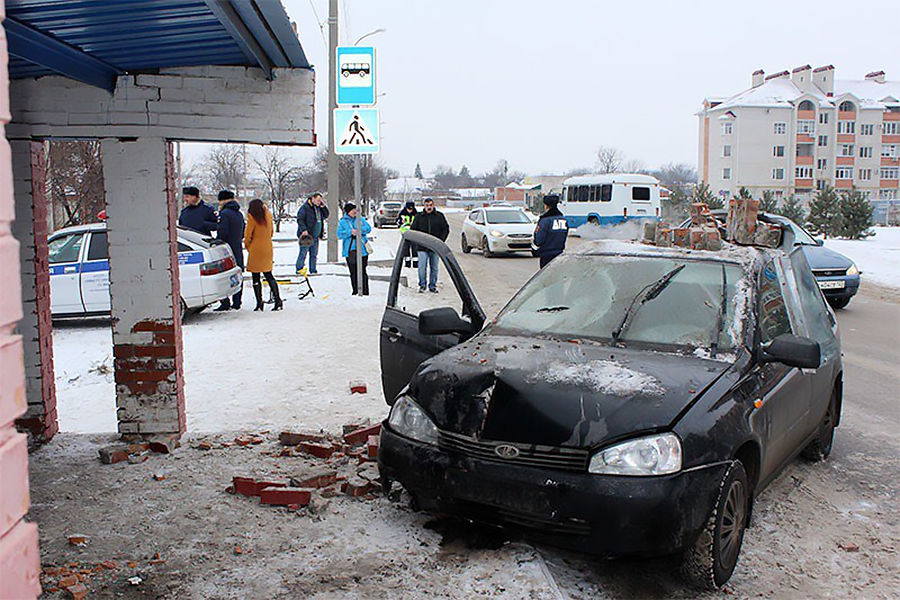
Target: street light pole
<point>333,194</point>
<point>359,244</point>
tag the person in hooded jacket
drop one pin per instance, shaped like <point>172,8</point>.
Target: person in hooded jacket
<point>551,231</point>
<point>231,231</point>
<point>407,216</point>
<point>196,214</point>
<point>346,232</point>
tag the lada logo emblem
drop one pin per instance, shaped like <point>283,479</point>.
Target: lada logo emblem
<point>506,451</point>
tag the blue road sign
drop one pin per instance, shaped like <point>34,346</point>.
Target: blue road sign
<point>355,75</point>
<point>356,131</point>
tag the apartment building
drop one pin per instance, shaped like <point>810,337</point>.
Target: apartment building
<point>794,132</point>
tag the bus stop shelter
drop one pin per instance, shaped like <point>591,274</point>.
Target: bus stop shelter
<point>135,75</point>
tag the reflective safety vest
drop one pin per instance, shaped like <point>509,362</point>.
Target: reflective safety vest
<point>406,222</point>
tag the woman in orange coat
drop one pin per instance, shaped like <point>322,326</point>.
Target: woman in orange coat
<point>258,241</point>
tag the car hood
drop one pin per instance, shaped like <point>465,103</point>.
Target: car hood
<point>820,257</point>
<point>511,227</point>
<point>557,393</point>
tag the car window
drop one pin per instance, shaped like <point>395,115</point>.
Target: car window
<point>773,314</point>
<point>182,247</point>
<point>502,217</point>
<point>479,218</point>
<point>66,248</point>
<point>801,236</point>
<point>99,247</point>
<point>589,296</point>
<point>641,194</point>
<point>473,215</point>
<point>816,315</point>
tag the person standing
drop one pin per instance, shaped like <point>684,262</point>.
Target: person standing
<point>258,240</point>
<point>310,229</point>
<point>551,231</point>
<point>432,222</point>
<point>196,214</point>
<point>346,232</point>
<point>231,231</point>
<point>407,216</point>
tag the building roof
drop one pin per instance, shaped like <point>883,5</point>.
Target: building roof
<point>406,185</point>
<point>781,92</point>
<point>94,41</point>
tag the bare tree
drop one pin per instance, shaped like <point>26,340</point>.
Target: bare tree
<point>75,172</point>
<point>674,176</point>
<point>373,176</point>
<point>224,167</point>
<point>609,159</point>
<point>277,173</point>
<point>633,165</point>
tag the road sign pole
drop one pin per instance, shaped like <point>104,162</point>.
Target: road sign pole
<point>333,194</point>
<point>359,244</point>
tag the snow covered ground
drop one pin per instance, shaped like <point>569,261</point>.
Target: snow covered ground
<point>878,257</point>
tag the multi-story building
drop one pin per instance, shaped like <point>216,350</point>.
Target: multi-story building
<point>795,132</point>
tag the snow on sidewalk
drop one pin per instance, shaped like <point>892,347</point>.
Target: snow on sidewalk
<point>878,257</point>
<point>245,370</point>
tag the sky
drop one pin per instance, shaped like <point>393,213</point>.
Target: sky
<point>544,84</point>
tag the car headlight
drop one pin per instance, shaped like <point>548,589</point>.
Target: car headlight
<point>651,455</point>
<point>853,270</point>
<point>409,420</point>
<point>496,234</point>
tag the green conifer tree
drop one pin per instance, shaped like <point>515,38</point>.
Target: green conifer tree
<point>825,213</point>
<point>856,215</point>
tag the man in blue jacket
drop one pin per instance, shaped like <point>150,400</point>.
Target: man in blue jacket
<point>196,214</point>
<point>551,231</point>
<point>231,231</point>
<point>310,229</point>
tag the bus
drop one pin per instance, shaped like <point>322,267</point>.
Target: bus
<point>609,199</point>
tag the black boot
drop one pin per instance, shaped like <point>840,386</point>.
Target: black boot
<point>223,306</point>
<point>257,290</point>
<point>276,295</point>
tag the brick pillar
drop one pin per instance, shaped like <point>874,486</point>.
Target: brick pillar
<point>144,288</point>
<point>36,328</point>
<point>19,556</point>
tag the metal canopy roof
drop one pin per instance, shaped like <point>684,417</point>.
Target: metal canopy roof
<point>94,41</point>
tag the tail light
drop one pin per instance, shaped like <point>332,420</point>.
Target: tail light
<point>625,212</point>
<point>217,266</point>
<point>380,211</point>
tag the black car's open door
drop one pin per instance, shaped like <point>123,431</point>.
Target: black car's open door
<point>403,347</point>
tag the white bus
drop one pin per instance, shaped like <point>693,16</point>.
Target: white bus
<point>609,199</point>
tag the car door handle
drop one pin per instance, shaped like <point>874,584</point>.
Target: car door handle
<point>393,333</point>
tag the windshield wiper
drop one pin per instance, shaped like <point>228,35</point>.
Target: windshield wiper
<point>549,309</point>
<point>648,293</point>
<point>720,317</point>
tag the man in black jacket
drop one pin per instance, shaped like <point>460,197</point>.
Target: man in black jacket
<point>231,231</point>
<point>196,214</point>
<point>310,229</point>
<point>551,231</point>
<point>432,222</point>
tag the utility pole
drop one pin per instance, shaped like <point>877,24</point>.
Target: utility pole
<point>359,245</point>
<point>333,194</point>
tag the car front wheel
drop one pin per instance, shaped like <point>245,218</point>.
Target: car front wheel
<point>709,563</point>
<point>466,248</point>
<point>838,303</point>
<point>486,249</point>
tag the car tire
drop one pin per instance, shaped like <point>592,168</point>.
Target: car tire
<point>377,224</point>
<point>184,310</point>
<point>466,248</point>
<point>486,249</point>
<point>710,561</point>
<point>819,449</point>
<point>838,303</point>
<point>593,220</point>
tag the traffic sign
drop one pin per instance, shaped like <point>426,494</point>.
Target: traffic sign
<point>355,75</point>
<point>356,131</point>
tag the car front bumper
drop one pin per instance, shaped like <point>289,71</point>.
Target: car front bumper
<point>506,244</point>
<point>843,286</point>
<point>596,514</point>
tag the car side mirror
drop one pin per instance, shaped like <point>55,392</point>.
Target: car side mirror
<point>440,321</point>
<point>819,241</point>
<point>792,351</point>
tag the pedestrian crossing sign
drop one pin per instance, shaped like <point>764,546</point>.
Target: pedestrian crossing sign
<point>356,131</point>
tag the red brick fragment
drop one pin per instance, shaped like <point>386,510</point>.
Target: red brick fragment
<point>164,444</point>
<point>77,591</point>
<point>242,441</point>
<point>238,549</point>
<point>372,446</point>
<point>358,387</point>
<point>357,486</point>
<point>204,445</point>
<point>320,450</point>
<point>291,438</point>
<point>353,427</point>
<point>67,581</point>
<point>113,454</point>
<point>109,564</point>
<point>283,496</point>
<point>247,486</point>
<point>316,480</point>
<point>77,540</point>
<point>361,435</point>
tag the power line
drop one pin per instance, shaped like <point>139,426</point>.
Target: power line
<point>320,22</point>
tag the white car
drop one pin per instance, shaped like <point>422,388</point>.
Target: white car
<point>497,229</point>
<point>79,271</point>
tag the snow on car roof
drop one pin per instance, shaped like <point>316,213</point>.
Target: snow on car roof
<point>742,255</point>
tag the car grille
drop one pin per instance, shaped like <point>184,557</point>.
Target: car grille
<point>539,523</point>
<point>520,236</point>
<point>829,272</point>
<point>531,455</point>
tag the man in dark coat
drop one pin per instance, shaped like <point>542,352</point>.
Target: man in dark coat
<point>551,231</point>
<point>432,222</point>
<point>310,229</point>
<point>231,231</point>
<point>196,214</point>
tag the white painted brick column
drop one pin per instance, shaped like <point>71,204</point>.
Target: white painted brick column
<point>144,287</point>
<point>20,561</point>
<point>36,328</point>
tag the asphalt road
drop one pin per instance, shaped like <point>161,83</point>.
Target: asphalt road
<point>810,508</point>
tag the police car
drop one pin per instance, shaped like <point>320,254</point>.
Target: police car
<point>79,271</point>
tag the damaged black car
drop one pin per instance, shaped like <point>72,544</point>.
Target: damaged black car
<point>628,400</point>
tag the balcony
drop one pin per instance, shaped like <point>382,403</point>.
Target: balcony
<point>843,184</point>
<point>805,138</point>
<point>806,115</point>
<point>846,115</point>
<point>804,160</point>
<point>846,138</point>
<point>846,161</point>
<point>891,116</point>
<point>803,184</point>
<point>889,183</point>
<point>890,139</point>
<point>887,161</point>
